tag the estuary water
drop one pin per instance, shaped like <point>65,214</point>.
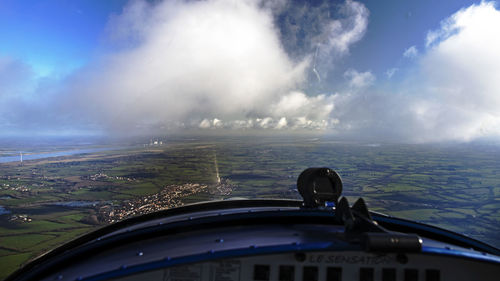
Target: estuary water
<point>4,211</point>
<point>76,204</point>
<point>41,155</point>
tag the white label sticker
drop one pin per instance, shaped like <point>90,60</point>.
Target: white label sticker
<point>225,271</point>
<point>350,259</point>
<point>183,273</point>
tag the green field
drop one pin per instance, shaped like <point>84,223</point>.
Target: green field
<point>456,187</point>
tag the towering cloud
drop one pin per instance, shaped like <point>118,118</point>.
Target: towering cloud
<point>183,63</point>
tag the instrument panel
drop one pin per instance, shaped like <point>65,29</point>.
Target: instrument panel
<point>327,266</point>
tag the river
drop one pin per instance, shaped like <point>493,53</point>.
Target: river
<point>41,155</point>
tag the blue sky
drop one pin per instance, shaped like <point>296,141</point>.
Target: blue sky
<point>359,69</point>
<point>53,36</point>
<point>396,25</point>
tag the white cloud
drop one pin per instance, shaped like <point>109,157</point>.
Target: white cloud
<point>282,123</point>
<point>203,60</point>
<point>22,103</point>
<point>295,110</point>
<point>314,31</point>
<point>16,78</point>
<point>340,37</point>
<point>390,72</point>
<point>359,79</point>
<point>205,124</point>
<point>265,123</point>
<point>461,70</point>
<point>298,104</point>
<point>213,123</point>
<point>452,93</point>
<point>216,123</point>
<point>411,52</point>
<point>190,60</point>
